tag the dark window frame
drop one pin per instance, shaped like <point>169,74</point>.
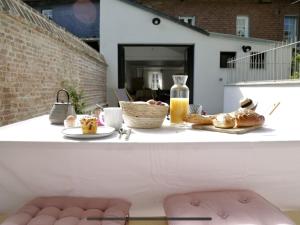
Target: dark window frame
<point>190,63</point>
<point>230,55</point>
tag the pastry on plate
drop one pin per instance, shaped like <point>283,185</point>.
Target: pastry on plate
<point>70,121</point>
<point>89,125</point>
<point>224,120</point>
<point>248,118</point>
<point>199,119</point>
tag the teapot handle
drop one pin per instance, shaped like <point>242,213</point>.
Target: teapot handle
<point>66,92</point>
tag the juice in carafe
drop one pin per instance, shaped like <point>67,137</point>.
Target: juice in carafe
<point>178,109</point>
<point>179,101</point>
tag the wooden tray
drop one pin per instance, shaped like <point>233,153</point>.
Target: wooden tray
<point>228,131</point>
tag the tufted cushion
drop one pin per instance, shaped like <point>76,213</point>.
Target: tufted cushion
<point>69,211</point>
<point>224,207</point>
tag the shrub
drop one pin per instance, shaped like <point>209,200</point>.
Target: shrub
<point>75,95</point>
<point>295,67</point>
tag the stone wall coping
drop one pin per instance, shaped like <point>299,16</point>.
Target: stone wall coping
<point>19,10</point>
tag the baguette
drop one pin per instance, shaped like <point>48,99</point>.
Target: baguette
<point>199,119</point>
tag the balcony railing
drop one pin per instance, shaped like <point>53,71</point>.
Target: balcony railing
<point>281,63</point>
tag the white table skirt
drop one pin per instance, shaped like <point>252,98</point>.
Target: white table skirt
<point>35,160</point>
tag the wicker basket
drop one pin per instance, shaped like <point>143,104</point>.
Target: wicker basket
<point>143,115</point>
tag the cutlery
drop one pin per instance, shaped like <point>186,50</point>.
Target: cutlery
<point>128,133</point>
<point>121,132</point>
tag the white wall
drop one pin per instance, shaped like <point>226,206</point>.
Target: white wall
<point>121,23</point>
<point>266,95</point>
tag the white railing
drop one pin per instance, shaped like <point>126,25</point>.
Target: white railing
<point>281,63</point>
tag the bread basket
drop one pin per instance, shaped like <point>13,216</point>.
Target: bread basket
<point>143,115</point>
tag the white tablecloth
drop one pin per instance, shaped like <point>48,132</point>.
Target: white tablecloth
<point>36,160</point>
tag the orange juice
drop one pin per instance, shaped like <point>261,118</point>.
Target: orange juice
<point>179,108</point>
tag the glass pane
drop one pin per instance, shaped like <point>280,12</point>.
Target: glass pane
<point>242,26</point>
<point>290,28</point>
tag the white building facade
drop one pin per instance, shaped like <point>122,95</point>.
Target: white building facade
<point>124,23</point>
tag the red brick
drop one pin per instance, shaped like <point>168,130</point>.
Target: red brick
<point>34,66</point>
<point>266,20</point>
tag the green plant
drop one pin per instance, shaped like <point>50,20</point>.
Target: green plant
<point>295,67</point>
<point>295,75</point>
<point>76,96</point>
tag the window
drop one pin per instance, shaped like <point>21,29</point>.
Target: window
<point>48,13</point>
<point>156,81</point>
<point>188,19</point>
<point>257,60</point>
<point>224,57</point>
<point>242,26</point>
<point>290,28</point>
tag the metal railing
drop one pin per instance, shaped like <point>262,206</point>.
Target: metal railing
<point>281,63</point>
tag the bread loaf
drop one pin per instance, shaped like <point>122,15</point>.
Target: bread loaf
<point>248,118</point>
<point>224,121</point>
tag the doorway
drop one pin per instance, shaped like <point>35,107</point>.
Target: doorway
<point>146,70</point>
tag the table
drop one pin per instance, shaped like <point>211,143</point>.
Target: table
<point>36,160</point>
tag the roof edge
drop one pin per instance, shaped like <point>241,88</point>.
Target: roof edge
<point>232,36</point>
<point>165,16</point>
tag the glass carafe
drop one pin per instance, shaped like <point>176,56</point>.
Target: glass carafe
<point>179,102</point>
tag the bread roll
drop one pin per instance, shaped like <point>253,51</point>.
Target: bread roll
<point>199,119</point>
<point>224,121</point>
<point>248,118</point>
<point>151,102</point>
<point>70,121</point>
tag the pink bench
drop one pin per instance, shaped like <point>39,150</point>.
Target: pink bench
<point>69,211</point>
<point>224,207</point>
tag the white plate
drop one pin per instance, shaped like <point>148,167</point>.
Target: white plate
<point>77,132</point>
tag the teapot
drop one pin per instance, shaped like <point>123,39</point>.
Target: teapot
<point>60,110</point>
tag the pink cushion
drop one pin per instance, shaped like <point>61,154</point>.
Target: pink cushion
<point>69,211</point>
<point>224,207</point>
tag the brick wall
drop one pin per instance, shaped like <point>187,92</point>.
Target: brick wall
<point>35,60</point>
<point>266,20</point>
